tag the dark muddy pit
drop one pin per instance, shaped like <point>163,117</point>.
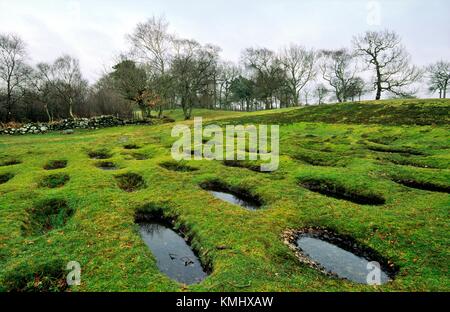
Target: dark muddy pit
<point>43,278</point>
<point>177,166</point>
<point>55,164</point>
<point>244,164</point>
<point>130,182</point>
<point>331,189</point>
<point>10,162</point>
<point>107,165</point>
<point>425,186</point>
<point>174,256</point>
<point>46,216</point>
<point>54,180</point>
<point>6,177</point>
<point>131,147</point>
<point>100,154</point>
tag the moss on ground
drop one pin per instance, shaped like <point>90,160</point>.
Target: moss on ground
<point>245,248</point>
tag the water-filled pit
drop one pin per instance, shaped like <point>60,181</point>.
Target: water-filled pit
<point>173,255</point>
<point>171,247</point>
<point>233,196</point>
<point>340,256</point>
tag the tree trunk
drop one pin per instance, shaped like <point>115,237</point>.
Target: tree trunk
<point>295,97</point>
<point>184,107</point>
<point>8,103</point>
<point>71,108</point>
<point>48,113</point>
<point>378,96</point>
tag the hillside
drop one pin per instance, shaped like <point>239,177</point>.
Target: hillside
<point>347,169</point>
<point>385,112</point>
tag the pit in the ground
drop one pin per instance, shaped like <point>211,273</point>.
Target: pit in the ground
<point>47,277</point>
<point>106,165</point>
<point>139,156</point>
<point>232,195</point>
<point>131,146</point>
<point>55,164</point>
<point>177,166</point>
<point>332,189</point>
<point>6,177</point>
<point>340,256</point>
<point>422,185</point>
<point>54,180</point>
<point>244,164</point>
<point>10,162</point>
<point>130,182</point>
<point>99,154</point>
<point>174,256</point>
<point>47,215</point>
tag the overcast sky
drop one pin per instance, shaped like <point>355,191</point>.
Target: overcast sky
<point>94,31</point>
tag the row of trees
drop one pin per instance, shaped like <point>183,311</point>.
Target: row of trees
<point>163,71</point>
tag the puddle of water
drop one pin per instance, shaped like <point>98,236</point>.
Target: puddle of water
<point>107,166</point>
<point>337,260</point>
<point>233,199</point>
<point>174,256</point>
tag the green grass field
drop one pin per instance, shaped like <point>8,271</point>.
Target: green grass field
<point>396,151</point>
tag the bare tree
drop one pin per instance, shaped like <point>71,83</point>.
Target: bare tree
<point>298,64</point>
<point>228,72</point>
<point>306,92</point>
<point>152,43</point>
<point>384,52</point>
<point>64,76</point>
<point>439,77</point>
<point>320,93</point>
<point>153,46</point>
<point>13,70</point>
<point>356,88</point>
<point>339,70</point>
<point>193,69</point>
<point>267,71</point>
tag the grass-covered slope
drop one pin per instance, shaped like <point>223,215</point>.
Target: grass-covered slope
<point>386,112</point>
<point>386,186</point>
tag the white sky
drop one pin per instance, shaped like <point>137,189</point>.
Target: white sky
<point>94,31</point>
